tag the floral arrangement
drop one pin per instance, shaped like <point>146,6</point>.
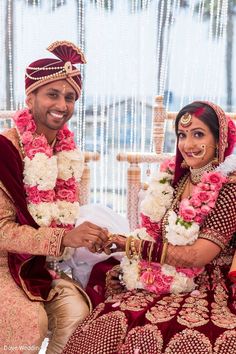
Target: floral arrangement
<point>181,228</point>
<point>51,173</point>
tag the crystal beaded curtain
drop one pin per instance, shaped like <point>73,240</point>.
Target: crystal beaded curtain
<point>135,49</point>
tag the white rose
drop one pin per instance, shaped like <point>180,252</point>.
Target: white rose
<point>41,171</point>
<point>70,164</point>
<point>182,284</point>
<point>67,212</point>
<point>130,271</point>
<point>42,213</point>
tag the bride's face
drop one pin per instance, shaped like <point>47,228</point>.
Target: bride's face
<point>196,143</point>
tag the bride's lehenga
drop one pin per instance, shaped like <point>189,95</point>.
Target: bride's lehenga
<point>203,321</point>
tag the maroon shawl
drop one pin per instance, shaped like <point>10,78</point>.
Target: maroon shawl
<point>29,272</point>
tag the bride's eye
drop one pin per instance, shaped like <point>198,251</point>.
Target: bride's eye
<point>198,134</point>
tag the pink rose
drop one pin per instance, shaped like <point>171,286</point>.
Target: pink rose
<point>32,194</point>
<point>66,145</point>
<point>172,165</point>
<point>198,219</point>
<point>39,142</point>
<point>204,186</point>
<point>190,272</point>
<point>167,165</point>
<point>205,209</point>
<point>22,120</point>
<point>36,196</point>
<point>152,228</point>
<point>31,126</point>
<point>67,195</point>
<point>195,201</point>
<point>70,183</point>
<point>188,213</point>
<point>47,196</point>
<point>32,152</point>
<point>203,196</point>
<point>64,133</point>
<point>26,137</point>
<point>214,178</point>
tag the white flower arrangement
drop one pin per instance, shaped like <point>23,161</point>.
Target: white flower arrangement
<point>179,235</point>
<point>70,164</point>
<point>40,171</point>
<point>158,197</point>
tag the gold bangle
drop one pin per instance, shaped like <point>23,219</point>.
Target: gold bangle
<point>140,247</point>
<point>132,246</point>
<point>164,252</point>
<point>150,252</point>
<point>127,247</point>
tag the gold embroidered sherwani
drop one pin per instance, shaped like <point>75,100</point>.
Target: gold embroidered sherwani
<point>24,323</point>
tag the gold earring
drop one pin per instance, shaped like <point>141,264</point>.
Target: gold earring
<point>184,164</point>
<point>215,161</point>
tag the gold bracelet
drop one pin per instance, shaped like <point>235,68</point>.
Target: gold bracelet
<point>140,247</point>
<point>150,252</point>
<point>164,252</point>
<point>132,246</point>
<point>127,247</point>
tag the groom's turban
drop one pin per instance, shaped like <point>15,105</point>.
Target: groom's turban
<point>44,71</point>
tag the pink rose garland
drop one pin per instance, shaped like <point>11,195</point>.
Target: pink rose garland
<point>35,146</point>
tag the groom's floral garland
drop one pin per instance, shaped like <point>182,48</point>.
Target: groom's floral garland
<point>181,229</point>
<point>50,174</point>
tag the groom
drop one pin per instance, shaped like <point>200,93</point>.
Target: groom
<point>40,168</point>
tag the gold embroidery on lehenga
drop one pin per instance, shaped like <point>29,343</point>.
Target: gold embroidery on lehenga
<point>226,343</point>
<point>189,341</point>
<point>221,315</point>
<point>165,309</point>
<point>135,300</point>
<point>106,332</point>
<point>194,311</point>
<point>143,340</point>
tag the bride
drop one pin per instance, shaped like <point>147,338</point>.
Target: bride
<point>171,293</point>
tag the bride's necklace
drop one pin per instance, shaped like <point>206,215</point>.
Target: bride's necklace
<point>197,173</point>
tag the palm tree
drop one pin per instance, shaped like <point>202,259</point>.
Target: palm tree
<point>231,11</point>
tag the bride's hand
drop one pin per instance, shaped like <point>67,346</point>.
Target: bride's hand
<point>115,243</point>
<point>113,280</point>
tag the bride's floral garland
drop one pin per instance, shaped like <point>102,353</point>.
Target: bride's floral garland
<point>51,174</point>
<point>181,229</point>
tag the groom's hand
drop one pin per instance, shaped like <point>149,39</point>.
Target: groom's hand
<point>87,235</point>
